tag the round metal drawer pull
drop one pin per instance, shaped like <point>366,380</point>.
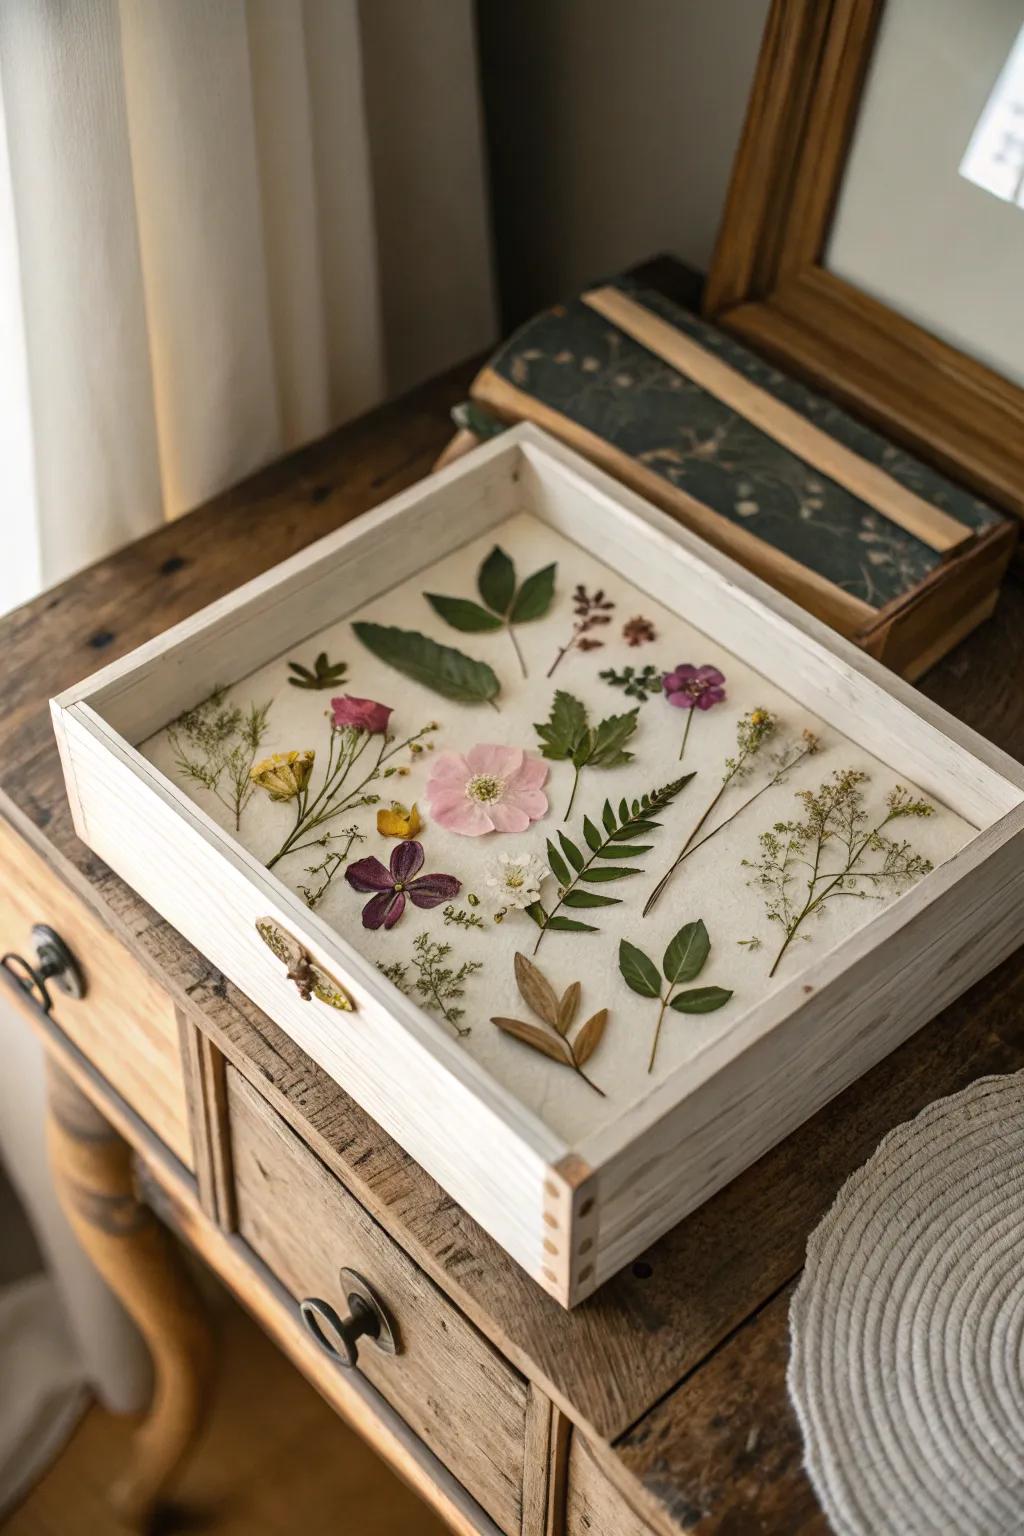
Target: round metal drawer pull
<point>367,1318</point>
<point>54,963</point>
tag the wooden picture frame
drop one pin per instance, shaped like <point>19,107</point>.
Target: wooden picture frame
<point>571,1213</point>
<point>768,285</point>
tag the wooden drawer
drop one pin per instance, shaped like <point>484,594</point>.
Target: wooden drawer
<point>448,1384</point>
<point>594,1506</point>
<point>125,1024</point>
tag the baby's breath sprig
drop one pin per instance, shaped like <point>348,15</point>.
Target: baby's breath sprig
<point>791,870</point>
<point>333,860</point>
<point>438,986</point>
<point>215,745</point>
<point>753,730</point>
<point>458,917</point>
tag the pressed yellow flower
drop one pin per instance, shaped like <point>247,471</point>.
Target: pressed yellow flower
<point>283,774</point>
<point>396,821</point>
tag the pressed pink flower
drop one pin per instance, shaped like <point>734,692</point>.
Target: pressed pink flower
<point>689,687</point>
<point>491,789</point>
<point>363,714</point>
<point>392,885</point>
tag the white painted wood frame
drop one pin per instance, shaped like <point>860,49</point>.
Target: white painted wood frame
<point>570,1215</point>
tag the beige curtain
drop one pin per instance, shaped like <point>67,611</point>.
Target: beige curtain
<point>225,226</point>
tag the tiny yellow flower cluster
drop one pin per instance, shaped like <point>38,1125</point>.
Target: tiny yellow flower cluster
<point>283,774</point>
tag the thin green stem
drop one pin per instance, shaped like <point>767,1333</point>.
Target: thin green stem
<point>657,1029</point>
<point>572,797</point>
<point>515,646</point>
<point>686,733</point>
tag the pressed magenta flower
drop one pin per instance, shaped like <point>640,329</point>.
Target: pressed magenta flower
<point>491,789</point>
<point>689,687</point>
<point>362,714</point>
<point>392,885</point>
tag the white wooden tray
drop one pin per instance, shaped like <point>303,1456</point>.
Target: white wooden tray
<point>571,1181</point>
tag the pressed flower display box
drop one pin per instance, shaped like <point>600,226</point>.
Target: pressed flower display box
<point>583,861</point>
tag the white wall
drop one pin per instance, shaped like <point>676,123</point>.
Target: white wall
<point>612,128</point>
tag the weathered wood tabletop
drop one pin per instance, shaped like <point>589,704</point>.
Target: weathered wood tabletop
<point>676,1369</point>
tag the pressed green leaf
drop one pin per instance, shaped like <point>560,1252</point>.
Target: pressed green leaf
<point>438,667</point>
<point>564,727</point>
<point>592,835</point>
<point>700,1000</point>
<point>299,669</point>
<point>604,873</point>
<point>634,829</point>
<point>581,898</point>
<point>610,738</point>
<point>568,925</point>
<point>557,865</point>
<point>321,662</point>
<point>463,615</point>
<point>639,971</point>
<point>625,850</point>
<point>608,816</point>
<point>533,599</point>
<point>496,581</point>
<point>583,751</point>
<point>687,952</point>
<point>536,912</point>
<point>624,810</point>
<point>572,853</point>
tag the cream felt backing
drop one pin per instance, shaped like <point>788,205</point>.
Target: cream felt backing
<point>712,884</point>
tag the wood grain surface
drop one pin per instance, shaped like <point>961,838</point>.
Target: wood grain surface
<point>629,1364</point>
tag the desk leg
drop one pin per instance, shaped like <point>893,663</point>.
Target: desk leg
<point>92,1169</point>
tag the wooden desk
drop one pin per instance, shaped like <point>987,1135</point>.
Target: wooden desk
<point>660,1404</point>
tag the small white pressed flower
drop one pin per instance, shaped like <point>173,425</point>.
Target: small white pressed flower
<point>515,879</point>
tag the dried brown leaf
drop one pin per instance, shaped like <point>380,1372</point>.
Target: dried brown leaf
<point>568,1007</point>
<point>536,991</point>
<point>531,1034</point>
<point>589,1037</point>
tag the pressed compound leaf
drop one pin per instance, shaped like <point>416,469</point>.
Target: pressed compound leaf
<point>536,991</point>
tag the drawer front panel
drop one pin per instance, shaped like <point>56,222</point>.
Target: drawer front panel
<point>593,1506</point>
<point>125,1024</point>
<point>451,1388</point>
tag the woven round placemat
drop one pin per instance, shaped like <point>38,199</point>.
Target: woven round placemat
<point>907,1360</point>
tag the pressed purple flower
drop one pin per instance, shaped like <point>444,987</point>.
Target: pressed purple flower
<point>689,687</point>
<point>392,885</point>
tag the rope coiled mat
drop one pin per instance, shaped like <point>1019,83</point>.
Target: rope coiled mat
<point>907,1328</point>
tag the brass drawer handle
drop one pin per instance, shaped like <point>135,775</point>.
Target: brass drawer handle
<point>367,1318</point>
<point>54,963</point>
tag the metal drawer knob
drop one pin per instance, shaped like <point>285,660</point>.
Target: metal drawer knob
<point>54,963</point>
<point>367,1318</point>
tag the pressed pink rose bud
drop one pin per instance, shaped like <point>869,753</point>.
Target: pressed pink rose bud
<point>362,714</point>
